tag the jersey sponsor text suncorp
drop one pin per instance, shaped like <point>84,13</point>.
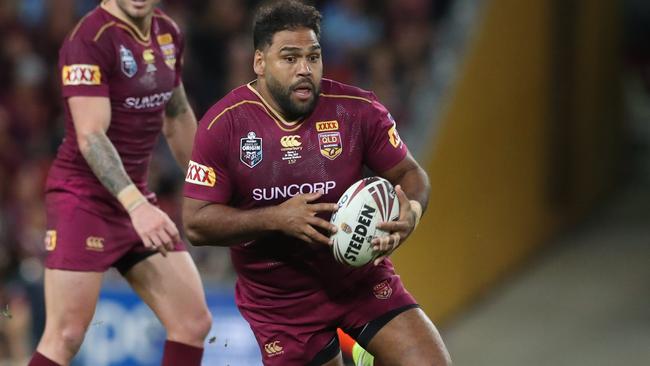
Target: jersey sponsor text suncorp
<point>150,101</point>
<point>287,191</point>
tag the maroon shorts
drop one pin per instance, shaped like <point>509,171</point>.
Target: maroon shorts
<point>89,236</point>
<point>303,329</point>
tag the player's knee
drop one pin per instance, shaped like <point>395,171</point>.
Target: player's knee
<point>193,328</point>
<point>71,337</point>
<point>203,324</point>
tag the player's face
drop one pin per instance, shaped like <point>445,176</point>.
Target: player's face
<point>137,9</point>
<point>292,71</point>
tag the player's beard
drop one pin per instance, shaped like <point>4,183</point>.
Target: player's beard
<point>291,110</point>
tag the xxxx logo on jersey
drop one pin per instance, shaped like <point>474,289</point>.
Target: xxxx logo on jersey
<point>81,74</point>
<point>325,126</point>
<point>201,175</point>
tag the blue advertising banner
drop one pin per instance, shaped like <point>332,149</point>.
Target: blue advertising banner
<point>125,332</point>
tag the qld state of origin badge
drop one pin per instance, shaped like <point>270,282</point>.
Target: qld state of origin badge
<point>250,150</point>
<point>127,61</point>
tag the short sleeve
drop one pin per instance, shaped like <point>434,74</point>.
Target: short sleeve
<point>207,177</point>
<point>383,148</point>
<point>85,67</point>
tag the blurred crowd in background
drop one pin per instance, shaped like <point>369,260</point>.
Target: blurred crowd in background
<point>636,82</point>
<point>382,45</point>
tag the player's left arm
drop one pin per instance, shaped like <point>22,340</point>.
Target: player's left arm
<point>179,126</point>
<point>412,186</point>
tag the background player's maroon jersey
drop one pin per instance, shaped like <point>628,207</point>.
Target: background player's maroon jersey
<point>108,57</point>
<point>245,155</point>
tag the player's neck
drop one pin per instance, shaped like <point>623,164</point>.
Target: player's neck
<point>141,25</point>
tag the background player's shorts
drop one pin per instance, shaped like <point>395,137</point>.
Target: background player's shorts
<point>295,334</point>
<point>90,237</point>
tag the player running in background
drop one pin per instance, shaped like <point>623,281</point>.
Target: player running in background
<point>268,162</point>
<point>120,77</point>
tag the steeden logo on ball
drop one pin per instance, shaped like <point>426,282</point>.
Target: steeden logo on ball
<point>363,205</point>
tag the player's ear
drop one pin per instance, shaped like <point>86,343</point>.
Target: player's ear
<point>259,63</point>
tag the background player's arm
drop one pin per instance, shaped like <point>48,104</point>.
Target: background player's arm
<point>208,223</point>
<point>179,126</point>
<point>412,185</point>
<point>91,117</point>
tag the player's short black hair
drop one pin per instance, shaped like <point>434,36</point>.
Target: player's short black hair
<point>278,15</point>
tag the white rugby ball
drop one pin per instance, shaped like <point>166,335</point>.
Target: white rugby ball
<point>365,204</point>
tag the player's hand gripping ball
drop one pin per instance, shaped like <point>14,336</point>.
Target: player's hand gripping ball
<point>365,204</point>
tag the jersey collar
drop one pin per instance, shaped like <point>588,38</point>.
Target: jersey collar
<point>275,113</point>
<point>131,27</point>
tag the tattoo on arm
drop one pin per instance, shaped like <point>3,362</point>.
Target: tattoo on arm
<point>104,160</point>
<point>177,105</point>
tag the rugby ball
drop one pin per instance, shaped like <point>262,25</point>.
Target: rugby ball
<point>365,204</point>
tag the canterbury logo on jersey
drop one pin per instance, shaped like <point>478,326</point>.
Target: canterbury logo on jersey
<point>201,175</point>
<point>81,74</point>
<point>273,349</point>
<point>95,243</point>
<point>148,56</point>
<point>273,193</point>
<point>290,141</point>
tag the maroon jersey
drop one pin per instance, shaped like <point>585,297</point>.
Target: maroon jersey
<point>246,156</point>
<point>108,57</point>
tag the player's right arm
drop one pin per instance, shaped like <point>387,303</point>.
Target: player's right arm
<point>91,116</point>
<point>208,223</point>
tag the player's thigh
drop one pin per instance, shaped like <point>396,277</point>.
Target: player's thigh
<point>70,298</point>
<point>171,286</point>
<point>409,339</point>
